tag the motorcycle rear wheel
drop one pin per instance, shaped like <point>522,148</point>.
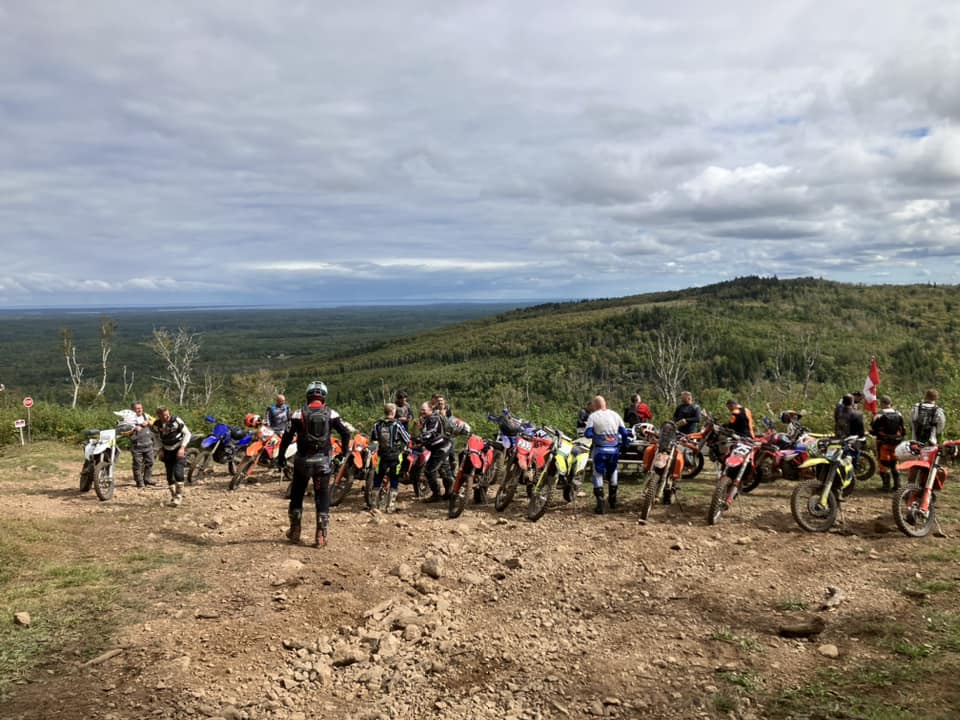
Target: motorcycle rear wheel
<point>807,511</point>
<point>86,476</point>
<point>691,471</point>
<point>240,477</point>
<point>103,481</point>
<point>906,512</point>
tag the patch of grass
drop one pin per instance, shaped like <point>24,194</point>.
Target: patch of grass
<point>936,586</point>
<point>37,457</point>
<point>792,604</point>
<point>913,650</point>
<point>747,680</point>
<point>728,636</point>
<point>142,561</point>
<point>724,703</point>
<point>951,554</point>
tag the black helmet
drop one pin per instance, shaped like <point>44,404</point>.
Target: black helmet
<point>316,390</point>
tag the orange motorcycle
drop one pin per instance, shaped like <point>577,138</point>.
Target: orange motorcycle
<point>261,452</point>
<point>359,465</point>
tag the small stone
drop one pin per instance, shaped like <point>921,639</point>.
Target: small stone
<point>596,708</point>
<point>206,614</point>
<point>432,566</point>
<point>347,655</point>
<point>677,546</point>
<point>22,619</point>
<point>513,563</point>
<point>402,571</point>
<point>745,540</point>
<point>830,651</point>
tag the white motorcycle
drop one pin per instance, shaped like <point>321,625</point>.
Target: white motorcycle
<point>100,455</point>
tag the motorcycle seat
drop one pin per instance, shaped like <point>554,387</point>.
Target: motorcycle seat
<point>91,433</point>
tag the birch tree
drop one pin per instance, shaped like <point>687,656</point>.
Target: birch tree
<point>73,367</point>
<point>178,352</point>
<point>108,326</point>
<point>669,353</point>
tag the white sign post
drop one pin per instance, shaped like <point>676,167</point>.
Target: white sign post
<point>19,424</point>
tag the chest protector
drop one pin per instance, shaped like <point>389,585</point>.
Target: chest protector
<point>316,429</point>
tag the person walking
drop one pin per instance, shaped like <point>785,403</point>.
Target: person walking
<point>392,439</point>
<point>888,428</point>
<point>435,440</point>
<point>311,425</point>
<point>607,431</point>
<point>174,436</point>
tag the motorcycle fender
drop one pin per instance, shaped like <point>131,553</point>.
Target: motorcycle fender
<point>660,461</point>
<point>475,460</point>
<point>912,464</point>
<point>253,449</point>
<point>734,461</point>
<point>209,442</point>
<point>813,461</point>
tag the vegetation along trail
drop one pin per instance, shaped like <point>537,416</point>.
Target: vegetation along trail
<point>140,610</point>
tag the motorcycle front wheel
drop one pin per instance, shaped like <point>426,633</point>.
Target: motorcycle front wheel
<point>86,476</point>
<point>541,495</point>
<point>723,496</point>
<point>508,487</point>
<point>866,467</point>
<point>103,481</point>
<point>458,495</point>
<point>240,476</point>
<point>911,520</point>
<point>341,486</point>
<point>807,510</point>
<point>198,463</point>
<point>651,489</point>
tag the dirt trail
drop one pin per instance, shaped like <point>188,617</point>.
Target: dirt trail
<point>413,615</point>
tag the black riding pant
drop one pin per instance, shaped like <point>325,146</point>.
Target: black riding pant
<point>317,471</point>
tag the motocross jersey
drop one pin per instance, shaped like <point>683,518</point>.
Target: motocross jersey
<point>278,417</point>
<point>606,429</point>
<point>432,432</point>
<point>174,433</point>
<point>296,425</point>
<point>741,421</point>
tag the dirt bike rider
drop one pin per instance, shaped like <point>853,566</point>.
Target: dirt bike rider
<point>278,415</point>
<point>392,439</point>
<point>434,439</point>
<point>582,416</point>
<point>311,425</point>
<point>687,414</point>
<point>888,428</point>
<point>606,429</point>
<point>927,419</point>
<point>741,419</point>
<point>174,436</point>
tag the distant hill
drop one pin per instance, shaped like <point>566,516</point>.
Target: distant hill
<point>799,342</point>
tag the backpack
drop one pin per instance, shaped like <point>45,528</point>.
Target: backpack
<point>926,422</point>
<point>385,437</point>
<point>316,429</point>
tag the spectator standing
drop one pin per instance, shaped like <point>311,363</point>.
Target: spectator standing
<point>142,447</point>
<point>927,419</point>
<point>887,426</point>
<point>687,414</point>
<point>278,415</point>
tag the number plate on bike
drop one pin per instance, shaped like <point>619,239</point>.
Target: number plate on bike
<point>524,444</point>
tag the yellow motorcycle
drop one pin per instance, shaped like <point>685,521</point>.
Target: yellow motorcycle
<point>815,503</point>
<point>565,465</point>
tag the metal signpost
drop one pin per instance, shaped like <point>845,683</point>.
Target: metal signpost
<point>28,403</point>
<point>19,424</point>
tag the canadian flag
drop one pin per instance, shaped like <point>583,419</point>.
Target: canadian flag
<point>870,387</point>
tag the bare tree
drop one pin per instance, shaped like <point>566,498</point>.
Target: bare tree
<point>127,384</point>
<point>108,326</point>
<point>211,383</point>
<point>178,351</point>
<point>73,367</point>
<point>810,352</point>
<point>668,354</point>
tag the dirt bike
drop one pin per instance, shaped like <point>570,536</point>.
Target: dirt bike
<point>262,452</point>
<point>509,429</point>
<point>781,457</point>
<point>412,463</point>
<point>663,465</point>
<point>523,464</point>
<point>220,446</point>
<point>100,453</point>
<point>815,503</point>
<point>914,507</point>
<point>473,475</point>
<point>357,465</point>
<point>565,465</point>
<point>738,472</point>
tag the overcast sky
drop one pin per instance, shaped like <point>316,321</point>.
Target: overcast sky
<point>246,151</point>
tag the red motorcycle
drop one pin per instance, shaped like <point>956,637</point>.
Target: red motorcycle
<point>475,472</point>
<point>523,465</point>
<point>914,507</point>
<point>739,470</point>
<point>412,462</point>
<point>781,457</point>
<point>663,464</point>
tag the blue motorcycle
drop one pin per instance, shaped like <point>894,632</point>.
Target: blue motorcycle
<point>220,446</point>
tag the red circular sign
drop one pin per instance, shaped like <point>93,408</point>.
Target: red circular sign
<point>28,402</point>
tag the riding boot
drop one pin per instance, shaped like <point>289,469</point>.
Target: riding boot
<point>885,479</point>
<point>434,490</point>
<point>293,534</point>
<point>178,498</point>
<point>896,481</point>
<point>323,523</point>
<point>371,499</point>
<point>598,494</point>
<point>613,497</point>
<point>173,495</point>
<point>392,501</point>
